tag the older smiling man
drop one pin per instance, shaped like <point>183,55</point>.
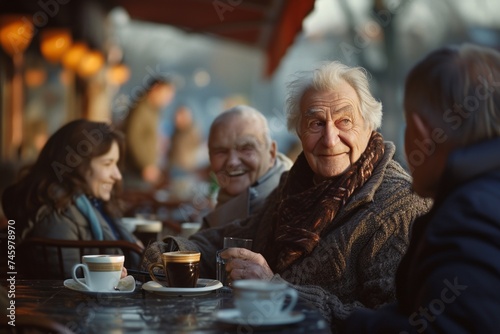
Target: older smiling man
<point>338,223</point>
<point>245,161</point>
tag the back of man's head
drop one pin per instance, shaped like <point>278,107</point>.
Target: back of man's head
<point>464,101</point>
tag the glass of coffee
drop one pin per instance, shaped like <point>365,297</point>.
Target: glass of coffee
<point>182,269</point>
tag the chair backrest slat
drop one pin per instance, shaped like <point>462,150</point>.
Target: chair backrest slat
<point>60,260</point>
<point>34,247</point>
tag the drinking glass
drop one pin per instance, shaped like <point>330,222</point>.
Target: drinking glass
<point>229,242</point>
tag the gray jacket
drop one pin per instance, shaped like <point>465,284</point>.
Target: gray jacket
<point>71,224</point>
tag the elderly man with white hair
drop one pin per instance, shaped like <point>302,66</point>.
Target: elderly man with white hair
<point>338,223</point>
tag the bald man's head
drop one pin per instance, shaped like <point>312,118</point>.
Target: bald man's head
<point>240,148</point>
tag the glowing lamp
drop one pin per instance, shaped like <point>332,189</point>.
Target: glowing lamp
<point>118,74</point>
<point>54,43</point>
<point>90,64</point>
<point>35,77</point>
<point>16,32</point>
<point>71,59</point>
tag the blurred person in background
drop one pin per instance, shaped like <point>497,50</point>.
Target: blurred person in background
<point>185,144</point>
<point>246,163</point>
<point>142,134</point>
<point>449,279</point>
<point>70,192</point>
<point>338,223</point>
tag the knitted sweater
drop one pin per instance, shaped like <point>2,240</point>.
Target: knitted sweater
<point>354,263</point>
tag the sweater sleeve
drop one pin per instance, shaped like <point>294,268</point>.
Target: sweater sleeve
<point>375,280</point>
<point>207,242</point>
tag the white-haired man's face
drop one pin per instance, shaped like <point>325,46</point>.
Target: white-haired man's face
<point>332,131</point>
<point>238,153</point>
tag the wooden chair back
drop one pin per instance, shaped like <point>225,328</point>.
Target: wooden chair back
<point>50,254</point>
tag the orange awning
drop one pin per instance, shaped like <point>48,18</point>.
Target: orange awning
<point>269,25</point>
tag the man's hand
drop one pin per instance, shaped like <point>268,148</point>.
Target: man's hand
<point>242,263</point>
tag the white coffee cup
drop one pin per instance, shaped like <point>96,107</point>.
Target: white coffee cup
<point>259,300</point>
<point>133,224</point>
<point>102,272</point>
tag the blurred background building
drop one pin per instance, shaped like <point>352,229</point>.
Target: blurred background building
<point>64,59</point>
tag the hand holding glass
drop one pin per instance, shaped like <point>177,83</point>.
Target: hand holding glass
<point>229,242</point>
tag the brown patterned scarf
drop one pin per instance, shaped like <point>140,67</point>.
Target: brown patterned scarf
<point>306,209</point>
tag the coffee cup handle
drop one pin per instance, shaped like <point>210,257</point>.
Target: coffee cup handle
<point>152,274</point>
<point>85,274</point>
<point>293,299</point>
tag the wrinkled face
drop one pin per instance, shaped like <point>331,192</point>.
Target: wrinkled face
<point>104,173</point>
<point>238,153</point>
<point>332,131</point>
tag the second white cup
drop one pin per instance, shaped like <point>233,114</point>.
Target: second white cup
<point>259,300</point>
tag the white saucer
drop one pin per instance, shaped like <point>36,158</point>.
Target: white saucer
<point>126,285</point>
<point>203,287</point>
<point>233,316</point>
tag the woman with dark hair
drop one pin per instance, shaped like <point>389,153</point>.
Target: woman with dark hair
<point>71,190</point>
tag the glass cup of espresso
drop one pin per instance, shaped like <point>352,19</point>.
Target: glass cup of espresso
<point>182,269</point>
<point>229,242</point>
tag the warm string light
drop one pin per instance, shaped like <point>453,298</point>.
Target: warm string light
<point>16,33</point>
<point>54,43</point>
<point>74,55</point>
<point>90,64</point>
<point>118,74</point>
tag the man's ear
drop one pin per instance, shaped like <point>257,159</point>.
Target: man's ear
<point>421,126</point>
<point>273,148</point>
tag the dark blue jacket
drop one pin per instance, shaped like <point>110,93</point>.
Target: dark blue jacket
<point>449,279</point>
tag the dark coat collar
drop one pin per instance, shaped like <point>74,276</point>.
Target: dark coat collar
<point>467,163</point>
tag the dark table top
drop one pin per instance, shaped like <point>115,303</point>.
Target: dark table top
<point>143,311</point>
